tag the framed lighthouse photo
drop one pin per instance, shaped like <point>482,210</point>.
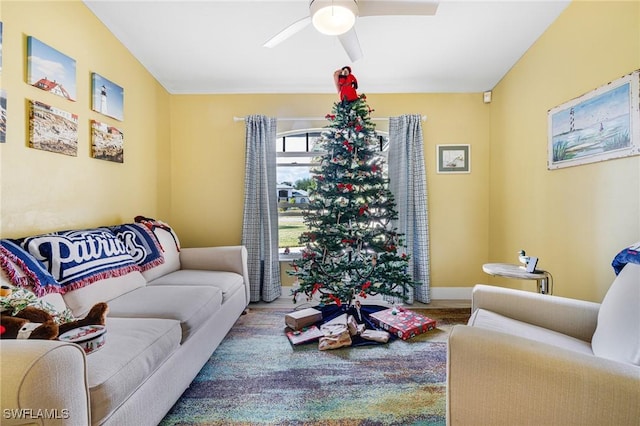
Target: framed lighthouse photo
<point>107,97</point>
<point>600,125</point>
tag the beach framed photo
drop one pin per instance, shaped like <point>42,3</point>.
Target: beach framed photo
<point>52,129</point>
<point>3,116</point>
<point>50,70</point>
<point>603,124</point>
<point>0,47</point>
<point>107,98</point>
<point>107,142</point>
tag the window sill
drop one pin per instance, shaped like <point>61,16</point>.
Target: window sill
<point>289,257</point>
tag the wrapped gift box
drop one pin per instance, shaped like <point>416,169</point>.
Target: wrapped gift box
<point>302,318</point>
<point>305,335</point>
<point>403,323</point>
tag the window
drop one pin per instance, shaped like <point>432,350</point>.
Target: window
<point>297,152</point>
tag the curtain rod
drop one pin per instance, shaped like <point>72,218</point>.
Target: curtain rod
<point>424,118</point>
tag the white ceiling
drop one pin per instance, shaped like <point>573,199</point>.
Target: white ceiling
<point>213,46</point>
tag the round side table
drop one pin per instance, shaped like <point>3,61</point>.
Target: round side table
<point>518,272</point>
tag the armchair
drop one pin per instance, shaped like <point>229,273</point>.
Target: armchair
<point>532,359</point>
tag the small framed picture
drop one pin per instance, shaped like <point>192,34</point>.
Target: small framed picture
<point>52,129</point>
<point>107,97</point>
<point>107,142</point>
<point>50,70</point>
<point>454,158</point>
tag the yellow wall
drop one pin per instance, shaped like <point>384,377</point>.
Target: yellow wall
<point>208,169</point>
<point>43,191</point>
<point>184,155</point>
<point>574,219</point>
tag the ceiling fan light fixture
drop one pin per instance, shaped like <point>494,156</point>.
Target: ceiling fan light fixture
<point>333,17</point>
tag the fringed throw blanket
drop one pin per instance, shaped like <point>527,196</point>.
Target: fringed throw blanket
<point>78,258</point>
<point>25,271</point>
<point>142,244</point>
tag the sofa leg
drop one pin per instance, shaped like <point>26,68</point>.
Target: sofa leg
<point>246,311</point>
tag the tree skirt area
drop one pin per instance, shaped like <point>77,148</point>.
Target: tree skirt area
<point>256,377</point>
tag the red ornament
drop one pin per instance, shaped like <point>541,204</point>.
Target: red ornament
<point>335,299</point>
<point>363,209</point>
<point>308,255</point>
<point>2,329</point>
<point>345,188</point>
<point>348,146</point>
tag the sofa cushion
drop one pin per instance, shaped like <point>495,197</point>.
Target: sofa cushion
<point>105,290</point>
<point>171,252</point>
<point>189,305</point>
<point>134,349</point>
<point>227,282</point>
<point>496,322</point>
<point>617,334</point>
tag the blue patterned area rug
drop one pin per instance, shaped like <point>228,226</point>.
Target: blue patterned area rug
<point>256,377</point>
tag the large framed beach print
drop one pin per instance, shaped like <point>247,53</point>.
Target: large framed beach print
<point>601,125</point>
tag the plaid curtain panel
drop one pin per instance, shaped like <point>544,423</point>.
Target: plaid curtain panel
<point>408,183</point>
<point>260,218</point>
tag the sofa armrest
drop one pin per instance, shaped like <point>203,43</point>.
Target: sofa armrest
<point>222,258</point>
<point>43,381</point>
<point>573,317</point>
<point>500,379</point>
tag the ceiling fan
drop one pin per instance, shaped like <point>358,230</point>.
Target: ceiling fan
<point>337,17</point>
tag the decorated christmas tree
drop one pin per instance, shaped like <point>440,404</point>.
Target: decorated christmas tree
<point>351,248</point>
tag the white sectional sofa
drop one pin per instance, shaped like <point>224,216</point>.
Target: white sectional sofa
<point>162,327</point>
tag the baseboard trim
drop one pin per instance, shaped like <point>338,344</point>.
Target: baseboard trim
<point>451,293</point>
<point>437,293</point>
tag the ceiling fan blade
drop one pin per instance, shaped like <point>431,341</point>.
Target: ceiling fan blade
<point>392,7</point>
<point>351,44</point>
<point>288,32</point>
